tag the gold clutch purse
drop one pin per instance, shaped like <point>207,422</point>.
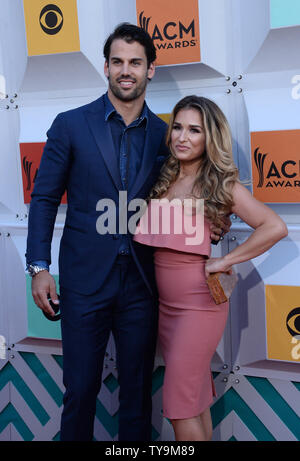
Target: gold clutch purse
<point>221,285</point>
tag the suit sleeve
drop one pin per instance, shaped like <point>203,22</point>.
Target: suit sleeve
<point>49,187</point>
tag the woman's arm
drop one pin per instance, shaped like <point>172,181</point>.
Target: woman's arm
<point>269,229</point>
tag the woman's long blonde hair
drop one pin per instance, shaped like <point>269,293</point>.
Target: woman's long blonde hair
<point>217,172</point>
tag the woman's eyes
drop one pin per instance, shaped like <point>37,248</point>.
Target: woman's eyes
<point>192,130</point>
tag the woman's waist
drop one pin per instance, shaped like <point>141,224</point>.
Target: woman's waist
<point>163,255</point>
<point>178,243</point>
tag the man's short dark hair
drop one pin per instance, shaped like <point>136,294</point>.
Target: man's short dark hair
<point>131,33</point>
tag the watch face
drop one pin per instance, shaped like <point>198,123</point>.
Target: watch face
<point>32,270</point>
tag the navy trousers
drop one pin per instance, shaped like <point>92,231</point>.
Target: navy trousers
<point>124,307</point>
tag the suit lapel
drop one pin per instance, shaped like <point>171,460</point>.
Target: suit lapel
<point>152,142</point>
<point>104,141</point>
<point>103,138</point>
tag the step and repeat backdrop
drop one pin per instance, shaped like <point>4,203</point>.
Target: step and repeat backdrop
<point>244,55</point>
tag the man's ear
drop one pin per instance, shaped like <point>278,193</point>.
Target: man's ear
<point>106,69</point>
<point>151,71</point>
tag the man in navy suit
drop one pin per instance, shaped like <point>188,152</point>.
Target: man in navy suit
<point>106,281</point>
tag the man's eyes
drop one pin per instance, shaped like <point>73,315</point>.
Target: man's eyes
<point>134,63</point>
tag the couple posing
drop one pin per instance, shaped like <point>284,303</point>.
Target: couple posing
<point>134,287</point>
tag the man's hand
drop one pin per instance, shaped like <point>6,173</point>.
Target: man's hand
<point>42,285</point>
<point>219,229</point>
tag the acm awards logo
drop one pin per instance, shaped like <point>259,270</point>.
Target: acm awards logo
<point>171,35</point>
<point>51,19</point>
<point>28,173</point>
<point>30,156</point>
<point>276,175</point>
<point>293,327</point>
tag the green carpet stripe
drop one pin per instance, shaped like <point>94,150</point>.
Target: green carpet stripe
<point>109,422</point>
<point>10,416</point>
<point>111,383</point>
<point>277,403</point>
<point>297,385</point>
<point>8,374</point>
<point>59,360</point>
<point>42,374</point>
<point>154,434</point>
<point>56,438</point>
<point>157,379</point>
<point>232,401</point>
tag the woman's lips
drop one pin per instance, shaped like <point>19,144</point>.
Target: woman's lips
<point>181,148</point>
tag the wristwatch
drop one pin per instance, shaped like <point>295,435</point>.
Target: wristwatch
<point>33,270</point>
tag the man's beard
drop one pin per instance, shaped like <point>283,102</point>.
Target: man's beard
<point>132,95</point>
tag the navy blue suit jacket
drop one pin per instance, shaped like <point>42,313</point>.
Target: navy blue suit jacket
<point>79,157</point>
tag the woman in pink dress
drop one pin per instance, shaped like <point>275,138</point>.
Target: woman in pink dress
<point>190,323</point>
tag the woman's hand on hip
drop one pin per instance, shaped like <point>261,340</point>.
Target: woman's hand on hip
<point>217,265</point>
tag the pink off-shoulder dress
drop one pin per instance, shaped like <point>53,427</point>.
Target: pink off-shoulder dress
<point>190,323</point>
